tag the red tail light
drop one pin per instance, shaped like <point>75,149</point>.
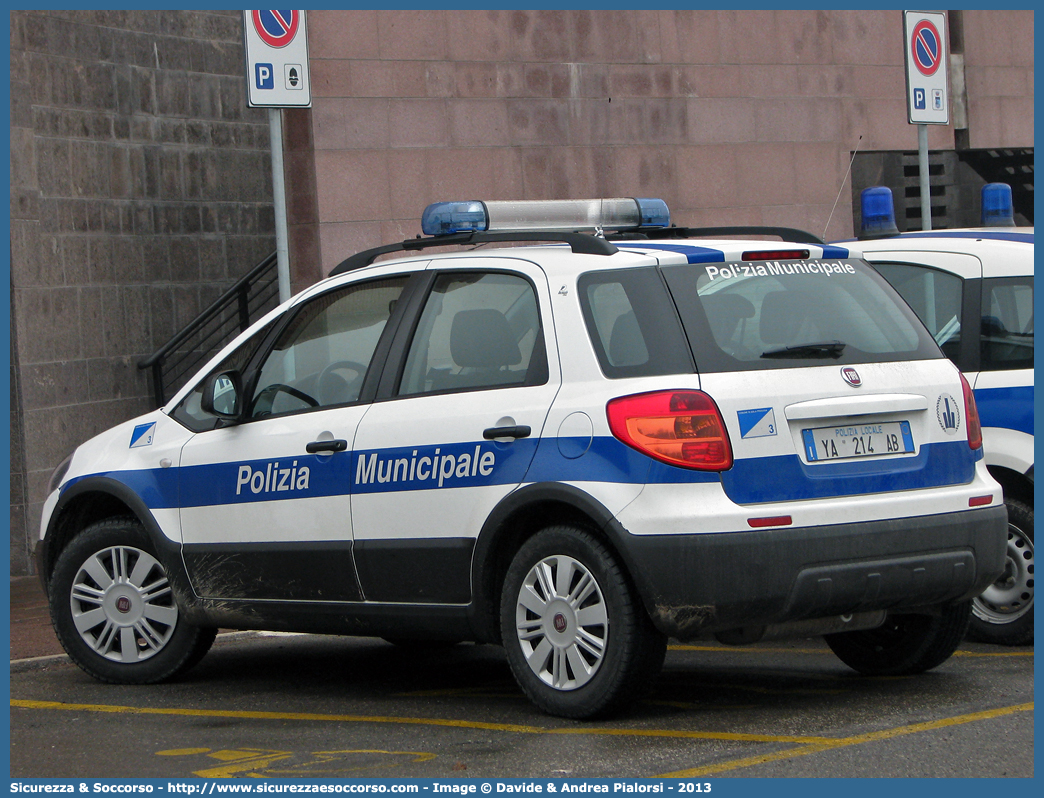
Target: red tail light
<point>682,428</point>
<point>972,414</point>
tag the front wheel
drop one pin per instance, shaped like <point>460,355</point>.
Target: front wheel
<point>114,611</point>
<point>1003,614</point>
<point>578,640</point>
<point>904,644</point>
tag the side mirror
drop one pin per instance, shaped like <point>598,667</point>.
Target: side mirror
<point>222,394</point>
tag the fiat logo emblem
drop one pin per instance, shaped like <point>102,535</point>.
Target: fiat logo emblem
<point>123,604</point>
<point>851,376</point>
<point>560,623</point>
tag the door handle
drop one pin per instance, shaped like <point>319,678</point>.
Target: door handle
<point>336,445</point>
<point>518,431</point>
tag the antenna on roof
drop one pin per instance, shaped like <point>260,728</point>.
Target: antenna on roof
<point>843,181</point>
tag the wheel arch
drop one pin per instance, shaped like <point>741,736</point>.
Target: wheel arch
<point>1016,485</point>
<point>97,499</point>
<point>517,518</point>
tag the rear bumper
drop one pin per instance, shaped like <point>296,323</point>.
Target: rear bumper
<point>694,585</point>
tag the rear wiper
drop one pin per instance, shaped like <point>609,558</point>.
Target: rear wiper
<point>820,349</point>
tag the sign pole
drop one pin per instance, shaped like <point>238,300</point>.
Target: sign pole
<point>275,132</point>
<point>922,168</point>
<point>275,44</point>
<point>927,88</point>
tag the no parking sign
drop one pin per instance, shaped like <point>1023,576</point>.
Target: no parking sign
<point>927,84</point>
<point>276,46</point>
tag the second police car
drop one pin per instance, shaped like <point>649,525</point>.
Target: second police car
<point>973,289</point>
<point>574,449</point>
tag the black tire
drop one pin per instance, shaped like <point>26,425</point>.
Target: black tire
<point>1003,614</point>
<point>597,641</point>
<point>904,644</point>
<point>113,609</point>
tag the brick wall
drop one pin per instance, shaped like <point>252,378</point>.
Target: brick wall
<point>140,188</point>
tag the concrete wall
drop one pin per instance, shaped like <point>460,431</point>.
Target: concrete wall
<point>140,188</point>
<point>739,117</point>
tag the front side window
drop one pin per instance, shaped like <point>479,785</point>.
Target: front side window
<point>477,331</point>
<point>935,297</point>
<point>1007,323</point>
<point>189,411</point>
<point>321,357</point>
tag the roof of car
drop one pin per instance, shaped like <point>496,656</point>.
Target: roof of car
<point>1003,252</point>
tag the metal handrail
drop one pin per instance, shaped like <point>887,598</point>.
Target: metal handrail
<point>238,295</point>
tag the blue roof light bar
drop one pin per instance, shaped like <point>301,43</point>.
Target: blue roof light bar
<point>618,213</point>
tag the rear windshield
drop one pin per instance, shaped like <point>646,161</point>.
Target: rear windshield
<point>787,314</point>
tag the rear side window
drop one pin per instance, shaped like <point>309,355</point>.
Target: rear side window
<point>478,331</point>
<point>788,314</point>
<point>1007,324</point>
<point>633,324</point>
<point>935,297</point>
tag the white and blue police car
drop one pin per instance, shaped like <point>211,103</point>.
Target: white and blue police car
<point>617,432</point>
<point>973,289</point>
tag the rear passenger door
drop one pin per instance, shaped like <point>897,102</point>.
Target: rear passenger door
<point>454,428</point>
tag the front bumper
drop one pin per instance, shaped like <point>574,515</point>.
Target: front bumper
<point>694,585</point>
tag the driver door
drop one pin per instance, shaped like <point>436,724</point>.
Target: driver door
<point>265,504</point>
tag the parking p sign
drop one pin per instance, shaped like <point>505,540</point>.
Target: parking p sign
<point>276,46</point>
<point>927,84</point>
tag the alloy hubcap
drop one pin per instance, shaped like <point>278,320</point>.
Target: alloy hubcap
<point>562,622</point>
<point>122,604</point>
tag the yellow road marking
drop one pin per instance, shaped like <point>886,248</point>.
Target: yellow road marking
<point>807,744</point>
<point>843,742</point>
<point>257,762</point>
<point>462,724</point>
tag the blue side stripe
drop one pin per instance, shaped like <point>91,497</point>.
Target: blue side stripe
<point>786,478</point>
<point>693,254</point>
<point>988,234</point>
<point>1007,408</point>
<point>607,460</point>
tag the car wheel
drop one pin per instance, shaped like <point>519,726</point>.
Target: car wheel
<point>114,611</point>
<point>904,644</point>
<point>578,640</point>
<point>1003,614</point>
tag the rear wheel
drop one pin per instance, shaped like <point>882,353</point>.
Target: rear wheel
<point>904,644</point>
<point>578,640</point>
<point>1003,614</point>
<point>114,611</point>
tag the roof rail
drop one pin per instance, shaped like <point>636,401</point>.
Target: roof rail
<point>581,243</point>
<point>786,233</point>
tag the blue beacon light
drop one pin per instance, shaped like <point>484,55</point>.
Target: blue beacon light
<point>878,213</point>
<point>444,218</point>
<point>997,209</point>
<point>617,213</point>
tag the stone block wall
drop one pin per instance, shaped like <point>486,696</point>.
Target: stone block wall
<point>140,189</point>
